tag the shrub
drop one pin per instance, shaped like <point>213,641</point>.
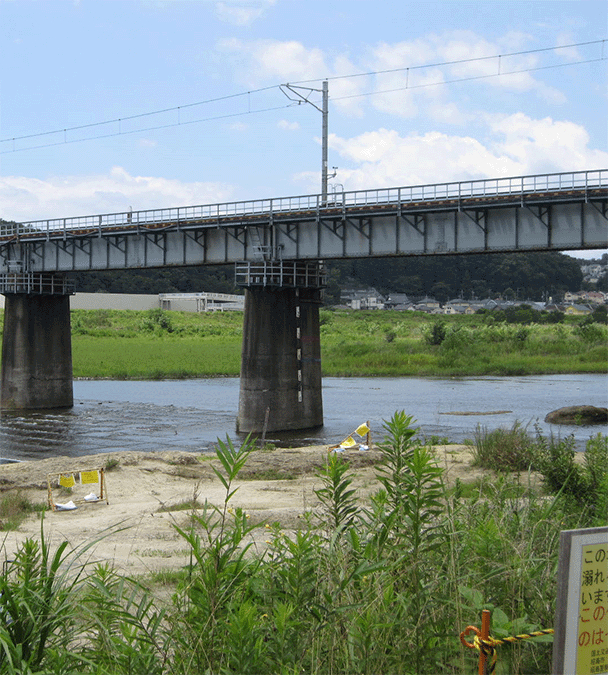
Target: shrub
<point>337,495</point>
<point>157,320</point>
<point>589,331</point>
<point>326,317</point>
<point>600,314</point>
<point>503,449</point>
<point>585,485</point>
<point>14,508</point>
<point>435,335</point>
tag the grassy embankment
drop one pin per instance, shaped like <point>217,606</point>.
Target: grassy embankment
<point>130,344</point>
<point>156,345</point>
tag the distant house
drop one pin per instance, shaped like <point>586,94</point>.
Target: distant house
<point>367,298</point>
<point>395,300</point>
<point>596,297</point>
<point>577,310</point>
<point>456,308</point>
<point>428,304</point>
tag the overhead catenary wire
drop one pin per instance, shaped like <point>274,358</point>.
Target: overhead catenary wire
<point>461,61</point>
<point>408,86</point>
<point>139,130</point>
<point>465,79</point>
<point>127,118</point>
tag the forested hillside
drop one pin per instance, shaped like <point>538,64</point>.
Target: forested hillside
<point>529,275</point>
<point>169,280</point>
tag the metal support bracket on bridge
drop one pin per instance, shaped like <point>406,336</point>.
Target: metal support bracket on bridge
<point>35,283</point>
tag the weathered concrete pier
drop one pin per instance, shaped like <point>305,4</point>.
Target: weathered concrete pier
<point>37,343</point>
<point>281,356</point>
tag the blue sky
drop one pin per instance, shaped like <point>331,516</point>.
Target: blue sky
<point>68,64</point>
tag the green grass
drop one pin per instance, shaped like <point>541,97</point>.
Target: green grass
<point>187,505</point>
<point>268,474</point>
<point>503,449</point>
<point>145,357</point>
<point>155,344</point>
<point>15,508</point>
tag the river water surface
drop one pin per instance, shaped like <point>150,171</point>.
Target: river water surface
<point>191,414</point>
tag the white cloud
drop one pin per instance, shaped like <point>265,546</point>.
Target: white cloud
<point>242,13</point>
<point>385,158</point>
<point>514,145</point>
<point>545,145</point>
<point>464,55</point>
<point>567,53</point>
<point>288,126</point>
<point>275,60</point>
<point>26,199</point>
<point>404,84</point>
<point>238,126</point>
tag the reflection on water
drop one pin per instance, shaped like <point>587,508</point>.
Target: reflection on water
<point>191,414</point>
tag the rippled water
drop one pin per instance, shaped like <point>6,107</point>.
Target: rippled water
<point>192,414</point>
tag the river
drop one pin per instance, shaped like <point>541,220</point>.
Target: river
<point>191,414</point>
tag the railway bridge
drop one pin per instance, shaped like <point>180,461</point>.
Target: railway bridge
<point>278,247</point>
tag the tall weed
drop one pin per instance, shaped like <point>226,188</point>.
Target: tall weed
<point>503,449</point>
<point>586,485</point>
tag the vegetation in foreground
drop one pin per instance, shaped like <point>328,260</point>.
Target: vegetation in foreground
<point>384,587</point>
<point>156,344</point>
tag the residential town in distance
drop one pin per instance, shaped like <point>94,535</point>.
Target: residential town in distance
<point>571,304</point>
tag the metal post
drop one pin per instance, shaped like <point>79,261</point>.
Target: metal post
<point>324,142</point>
<point>324,110</point>
<point>485,634</point>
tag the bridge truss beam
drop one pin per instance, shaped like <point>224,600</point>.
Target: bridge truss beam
<point>428,220</point>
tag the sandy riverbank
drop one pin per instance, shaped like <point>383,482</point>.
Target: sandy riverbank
<point>141,537</point>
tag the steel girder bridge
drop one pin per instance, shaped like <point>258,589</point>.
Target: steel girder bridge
<point>551,212</point>
<point>278,246</point>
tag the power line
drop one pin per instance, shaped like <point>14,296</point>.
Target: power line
<point>177,109</point>
<point>138,116</point>
<point>461,61</point>
<point>136,131</point>
<point>467,79</point>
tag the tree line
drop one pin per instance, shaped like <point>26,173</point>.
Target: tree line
<point>538,276</point>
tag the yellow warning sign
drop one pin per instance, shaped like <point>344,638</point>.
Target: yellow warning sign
<point>592,636</point>
<point>89,477</point>
<point>67,480</point>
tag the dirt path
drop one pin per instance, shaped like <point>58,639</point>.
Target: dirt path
<point>275,486</point>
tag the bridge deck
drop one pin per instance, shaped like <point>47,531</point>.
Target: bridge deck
<point>547,212</point>
<point>584,185</point>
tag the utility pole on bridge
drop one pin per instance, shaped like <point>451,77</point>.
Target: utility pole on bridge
<point>324,110</point>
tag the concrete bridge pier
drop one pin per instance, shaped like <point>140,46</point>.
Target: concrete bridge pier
<point>36,367</point>
<point>281,386</point>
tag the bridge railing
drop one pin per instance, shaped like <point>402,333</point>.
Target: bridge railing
<point>220,212</point>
